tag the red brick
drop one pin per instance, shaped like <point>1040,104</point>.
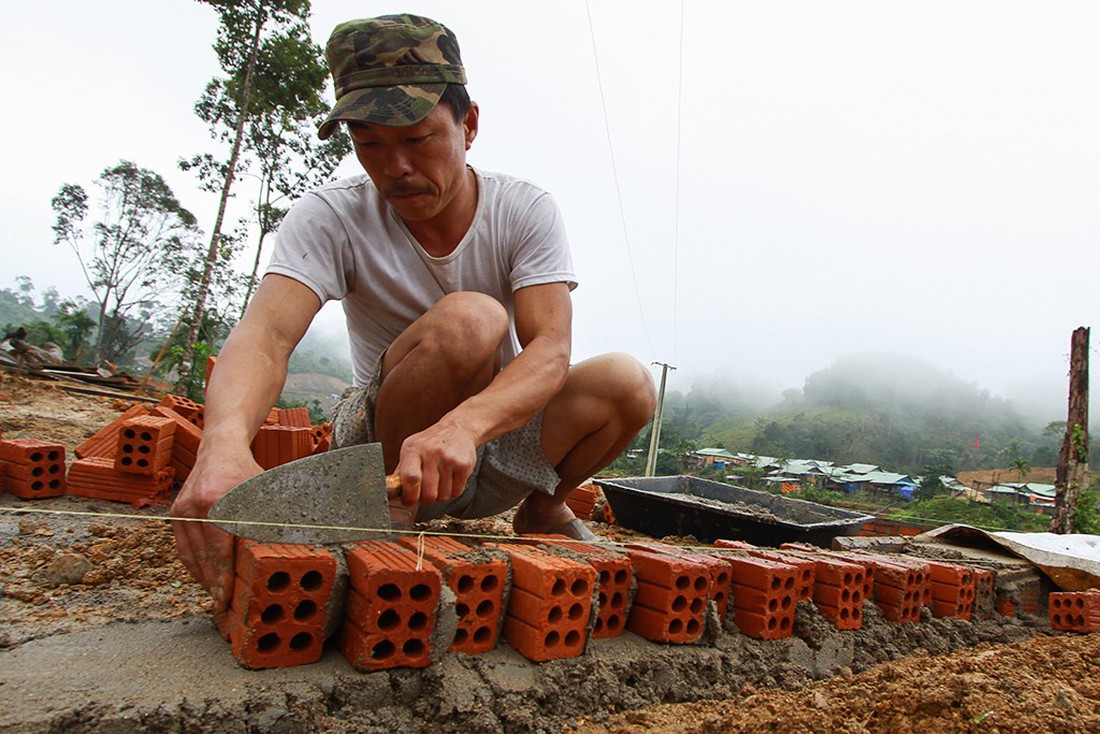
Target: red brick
<point>733,544</point>
<point>478,582</point>
<point>185,445</point>
<point>277,615</point>
<point>765,593</point>
<point>1075,611</point>
<point>391,610</point>
<point>839,588</point>
<point>105,441</point>
<point>97,478</point>
<point>614,581</point>
<point>275,445</point>
<point>952,590</point>
<point>189,409</point>
<point>804,580</point>
<point>298,417</point>
<point>210,362</point>
<point>550,603</point>
<point>718,569</point>
<point>671,597</point>
<point>145,444</point>
<point>33,469</point>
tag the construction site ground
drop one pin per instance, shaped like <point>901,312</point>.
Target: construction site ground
<point>102,630</point>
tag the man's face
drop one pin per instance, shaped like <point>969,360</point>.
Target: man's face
<point>421,168</point>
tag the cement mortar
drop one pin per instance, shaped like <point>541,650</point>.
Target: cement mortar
<point>179,676</point>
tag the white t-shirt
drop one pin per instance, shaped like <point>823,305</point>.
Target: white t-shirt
<point>344,242</point>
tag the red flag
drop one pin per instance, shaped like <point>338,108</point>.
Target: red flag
<point>977,444</point>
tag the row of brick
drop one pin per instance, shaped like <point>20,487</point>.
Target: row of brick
<point>547,596</point>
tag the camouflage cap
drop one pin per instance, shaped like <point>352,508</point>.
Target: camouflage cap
<point>390,70</point>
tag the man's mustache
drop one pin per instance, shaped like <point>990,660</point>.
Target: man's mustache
<point>406,190</point>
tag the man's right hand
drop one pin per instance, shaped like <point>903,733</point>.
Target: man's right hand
<point>206,550</point>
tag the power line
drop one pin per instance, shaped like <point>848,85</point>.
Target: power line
<point>615,176</point>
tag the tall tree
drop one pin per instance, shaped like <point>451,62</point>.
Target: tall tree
<point>132,255</point>
<point>289,156</point>
<point>252,39</point>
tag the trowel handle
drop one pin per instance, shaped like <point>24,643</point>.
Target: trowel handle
<point>393,486</point>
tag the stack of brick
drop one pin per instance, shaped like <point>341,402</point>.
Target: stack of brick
<point>614,582</point>
<point>478,580</point>
<point>671,599</point>
<point>32,469</point>
<point>1075,611</point>
<point>96,477</point>
<point>718,571</point>
<point>298,417</point>
<point>765,594</point>
<point>550,605</point>
<point>280,604</point>
<point>839,588</point>
<point>279,444</point>
<point>952,590</point>
<point>582,501</point>
<point>138,468</point>
<point>1019,591</point>
<point>391,608</point>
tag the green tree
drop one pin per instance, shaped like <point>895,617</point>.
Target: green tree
<point>259,44</point>
<point>132,255</point>
<point>77,328</point>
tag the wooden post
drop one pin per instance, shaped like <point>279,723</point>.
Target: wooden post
<point>1073,459</point>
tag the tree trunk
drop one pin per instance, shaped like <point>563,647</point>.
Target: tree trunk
<point>186,364</point>
<point>1073,459</point>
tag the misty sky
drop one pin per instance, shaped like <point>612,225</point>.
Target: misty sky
<point>753,192</point>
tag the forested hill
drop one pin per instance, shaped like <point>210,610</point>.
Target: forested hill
<point>894,411</point>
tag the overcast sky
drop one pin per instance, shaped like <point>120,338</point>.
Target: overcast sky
<point>750,188</point>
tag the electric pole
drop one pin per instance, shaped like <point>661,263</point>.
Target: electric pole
<point>655,433</point>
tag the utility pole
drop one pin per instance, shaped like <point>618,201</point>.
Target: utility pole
<point>1073,460</point>
<point>655,433</point>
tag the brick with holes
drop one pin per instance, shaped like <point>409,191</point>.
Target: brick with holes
<point>97,478</point>
<point>33,469</point>
<point>550,603</point>
<point>280,602</point>
<point>765,594</point>
<point>718,570</point>
<point>104,442</point>
<point>145,444</point>
<point>478,579</point>
<point>614,581</point>
<point>670,603</point>
<point>391,608</point>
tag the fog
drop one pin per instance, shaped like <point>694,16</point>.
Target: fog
<point>752,190</point>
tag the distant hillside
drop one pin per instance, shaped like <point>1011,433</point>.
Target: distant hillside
<point>897,412</point>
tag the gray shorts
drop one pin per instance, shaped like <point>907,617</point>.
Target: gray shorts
<point>508,468</point>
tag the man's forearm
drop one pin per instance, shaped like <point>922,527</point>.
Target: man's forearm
<point>246,382</point>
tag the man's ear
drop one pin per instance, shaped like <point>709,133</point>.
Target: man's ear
<point>469,124</point>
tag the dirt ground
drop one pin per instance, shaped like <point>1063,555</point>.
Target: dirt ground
<point>101,630</point>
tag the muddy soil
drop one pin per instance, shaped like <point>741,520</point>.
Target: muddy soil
<point>102,630</point>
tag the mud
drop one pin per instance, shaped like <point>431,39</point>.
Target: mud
<point>179,676</point>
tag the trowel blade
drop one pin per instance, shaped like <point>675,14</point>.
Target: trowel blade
<point>343,491</point>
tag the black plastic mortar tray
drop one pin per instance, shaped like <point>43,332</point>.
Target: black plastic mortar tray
<point>708,510</point>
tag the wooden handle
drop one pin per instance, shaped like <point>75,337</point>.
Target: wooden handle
<point>393,485</point>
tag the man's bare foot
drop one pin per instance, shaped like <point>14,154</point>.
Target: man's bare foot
<point>549,516</point>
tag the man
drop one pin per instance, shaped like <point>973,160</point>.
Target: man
<point>455,284</point>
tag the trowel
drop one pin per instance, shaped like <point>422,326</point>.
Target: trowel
<point>338,496</point>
